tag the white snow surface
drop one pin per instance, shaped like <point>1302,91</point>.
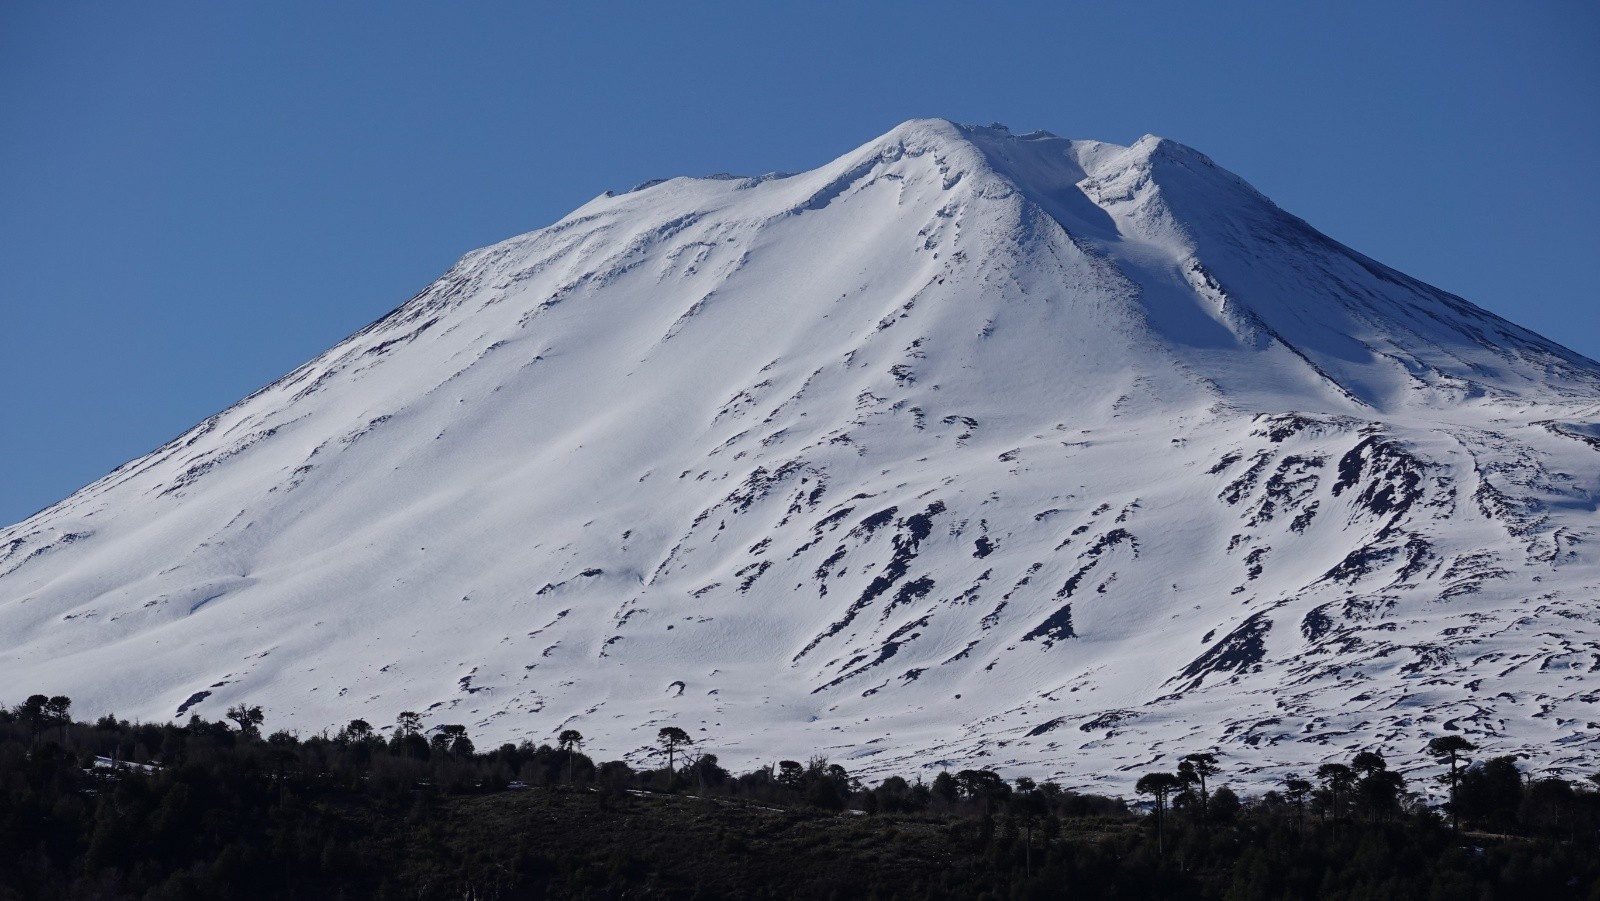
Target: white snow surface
<point>965,449</point>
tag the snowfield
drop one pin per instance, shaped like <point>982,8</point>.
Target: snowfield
<point>965,449</point>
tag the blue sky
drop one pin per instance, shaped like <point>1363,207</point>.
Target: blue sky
<point>197,197</point>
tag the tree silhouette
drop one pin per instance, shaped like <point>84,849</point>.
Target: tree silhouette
<point>982,785</point>
<point>791,774</point>
<point>1296,790</point>
<point>1452,746</point>
<point>1379,787</point>
<point>671,738</point>
<point>1491,790</point>
<point>1031,807</point>
<point>248,719</point>
<point>216,813</point>
<point>1160,785</point>
<point>707,772</point>
<point>408,740</point>
<point>570,741</point>
<point>1225,805</point>
<point>34,714</point>
<point>281,752</point>
<point>1201,766</point>
<point>827,784</point>
<point>1336,779</point>
<point>1365,763</point>
<point>452,739</point>
<point>56,711</point>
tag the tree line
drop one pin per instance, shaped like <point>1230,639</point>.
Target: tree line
<point>226,808</point>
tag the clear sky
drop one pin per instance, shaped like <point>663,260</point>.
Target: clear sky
<point>197,197</point>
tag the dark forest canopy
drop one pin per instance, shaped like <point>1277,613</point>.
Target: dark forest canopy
<point>230,809</point>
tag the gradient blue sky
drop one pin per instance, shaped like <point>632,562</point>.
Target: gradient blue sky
<point>197,197</point>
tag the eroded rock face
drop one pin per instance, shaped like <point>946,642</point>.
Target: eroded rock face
<point>1047,455</point>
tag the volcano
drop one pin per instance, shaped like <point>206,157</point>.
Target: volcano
<point>967,448</point>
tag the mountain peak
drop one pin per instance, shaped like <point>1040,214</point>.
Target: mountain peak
<point>967,445</point>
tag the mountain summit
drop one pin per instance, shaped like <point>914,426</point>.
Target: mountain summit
<point>966,447</point>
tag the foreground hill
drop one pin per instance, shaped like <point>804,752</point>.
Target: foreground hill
<point>965,447</point>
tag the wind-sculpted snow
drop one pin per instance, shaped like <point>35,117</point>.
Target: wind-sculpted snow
<point>965,448</point>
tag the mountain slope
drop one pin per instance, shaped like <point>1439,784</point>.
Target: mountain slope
<point>966,446</point>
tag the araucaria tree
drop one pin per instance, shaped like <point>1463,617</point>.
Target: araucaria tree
<point>570,741</point>
<point>35,713</point>
<point>1336,780</point>
<point>1159,785</point>
<point>40,712</point>
<point>1452,747</point>
<point>452,739</point>
<point>671,738</point>
<point>58,711</point>
<point>1200,767</point>
<point>1296,790</point>
<point>1378,788</point>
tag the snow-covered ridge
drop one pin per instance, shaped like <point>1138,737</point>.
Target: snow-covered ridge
<point>966,446</point>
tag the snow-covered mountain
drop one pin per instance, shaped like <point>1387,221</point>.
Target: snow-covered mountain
<point>967,447</point>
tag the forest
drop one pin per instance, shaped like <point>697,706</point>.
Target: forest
<point>226,809</point>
